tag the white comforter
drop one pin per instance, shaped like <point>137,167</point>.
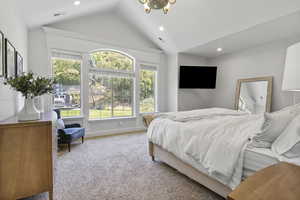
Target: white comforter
<point>216,140</point>
<point>186,116</point>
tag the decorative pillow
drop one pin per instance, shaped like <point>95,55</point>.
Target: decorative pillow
<point>288,143</point>
<point>60,124</point>
<point>274,125</point>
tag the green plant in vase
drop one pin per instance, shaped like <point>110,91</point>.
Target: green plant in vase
<point>30,86</point>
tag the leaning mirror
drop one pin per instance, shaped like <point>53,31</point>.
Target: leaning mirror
<point>254,95</point>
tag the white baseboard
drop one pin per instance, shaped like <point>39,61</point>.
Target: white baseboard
<point>114,131</point>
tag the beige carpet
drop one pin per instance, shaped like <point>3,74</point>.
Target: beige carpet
<point>119,168</point>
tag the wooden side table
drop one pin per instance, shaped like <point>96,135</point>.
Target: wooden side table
<point>277,182</point>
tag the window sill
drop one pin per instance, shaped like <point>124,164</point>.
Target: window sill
<point>148,113</point>
<point>72,118</point>
<point>110,119</point>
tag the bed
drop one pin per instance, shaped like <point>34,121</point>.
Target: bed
<point>255,159</point>
<point>165,132</point>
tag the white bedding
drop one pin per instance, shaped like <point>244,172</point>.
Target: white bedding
<point>214,142</point>
<point>256,159</point>
<point>185,116</point>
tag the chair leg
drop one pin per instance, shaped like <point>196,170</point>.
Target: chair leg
<point>82,139</point>
<point>69,147</point>
<point>51,194</point>
<point>153,158</point>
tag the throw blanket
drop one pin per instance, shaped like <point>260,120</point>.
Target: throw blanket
<point>216,140</point>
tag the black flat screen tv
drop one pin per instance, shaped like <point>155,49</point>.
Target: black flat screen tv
<point>197,77</point>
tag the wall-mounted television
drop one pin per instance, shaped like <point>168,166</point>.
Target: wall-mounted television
<point>194,77</point>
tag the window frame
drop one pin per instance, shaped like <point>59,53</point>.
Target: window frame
<point>81,59</point>
<point>114,73</point>
<point>149,67</point>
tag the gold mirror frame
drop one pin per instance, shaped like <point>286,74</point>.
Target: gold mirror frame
<point>269,79</point>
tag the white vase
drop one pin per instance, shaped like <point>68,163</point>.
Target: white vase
<point>39,103</point>
<point>29,111</point>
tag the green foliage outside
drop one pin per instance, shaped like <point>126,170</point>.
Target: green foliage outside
<point>112,60</point>
<point>106,91</point>
<point>147,91</point>
<point>67,72</point>
<point>96,114</point>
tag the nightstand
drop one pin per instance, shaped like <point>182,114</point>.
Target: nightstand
<point>277,182</point>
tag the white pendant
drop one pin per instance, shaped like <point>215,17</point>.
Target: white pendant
<point>29,111</point>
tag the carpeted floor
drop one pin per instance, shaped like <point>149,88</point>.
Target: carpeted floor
<point>119,167</point>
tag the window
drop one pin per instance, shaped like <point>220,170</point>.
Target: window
<point>111,85</point>
<point>67,72</point>
<point>112,60</point>
<point>147,89</point>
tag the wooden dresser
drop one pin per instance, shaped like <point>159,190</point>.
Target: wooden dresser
<point>26,164</point>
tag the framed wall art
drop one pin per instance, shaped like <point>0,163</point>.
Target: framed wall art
<point>19,64</point>
<point>2,69</point>
<point>10,61</point>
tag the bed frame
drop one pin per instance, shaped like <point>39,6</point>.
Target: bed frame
<point>157,152</point>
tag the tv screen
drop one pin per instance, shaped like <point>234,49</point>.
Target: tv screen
<point>192,77</point>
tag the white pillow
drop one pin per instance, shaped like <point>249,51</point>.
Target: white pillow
<point>60,124</point>
<point>274,125</point>
<point>288,143</point>
<point>293,108</point>
<point>293,152</point>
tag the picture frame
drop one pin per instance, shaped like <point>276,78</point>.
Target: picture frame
<point>2,64</point>
<point>10,60</point>
<point>19,64</point>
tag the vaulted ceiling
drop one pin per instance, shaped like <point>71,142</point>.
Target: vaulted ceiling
<point>190,24</point>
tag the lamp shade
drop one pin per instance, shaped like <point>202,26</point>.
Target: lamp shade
<point>291,76</point>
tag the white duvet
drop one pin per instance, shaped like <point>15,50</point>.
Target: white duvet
<point>186,116</point>
<point>215,139</point>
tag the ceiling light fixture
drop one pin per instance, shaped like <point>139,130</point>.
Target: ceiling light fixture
<point>219,49</point>
<point>76,3</point>
<point>161,28</point>
<point>157,4</point>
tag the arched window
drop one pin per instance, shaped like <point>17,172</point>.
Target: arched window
<point>111,85</point>
<point>112,60</point>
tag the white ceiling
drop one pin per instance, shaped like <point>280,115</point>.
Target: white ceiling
<point>286,27</point>
<point>189,24</point>
<point>40,12</point>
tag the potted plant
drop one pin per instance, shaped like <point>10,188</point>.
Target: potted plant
<point>30,86</point>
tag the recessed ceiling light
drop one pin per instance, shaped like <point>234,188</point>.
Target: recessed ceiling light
<point>161,28</point>
<point>219,49</point>
<point>76,3</point>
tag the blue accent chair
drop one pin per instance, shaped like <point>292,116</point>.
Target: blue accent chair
<point>69,133</point>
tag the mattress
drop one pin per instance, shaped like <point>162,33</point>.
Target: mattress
<point>256,159</point>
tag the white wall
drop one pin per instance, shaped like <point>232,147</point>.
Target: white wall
<point>264,60</point>
<point>190,99</point>
<point>13,27</point>
<point>108,27</point>
<point>172,77</point>
<point>94,32</point>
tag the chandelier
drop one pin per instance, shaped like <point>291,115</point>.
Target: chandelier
<point>157,4</point>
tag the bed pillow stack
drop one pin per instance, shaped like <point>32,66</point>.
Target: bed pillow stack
<point>274,126</point>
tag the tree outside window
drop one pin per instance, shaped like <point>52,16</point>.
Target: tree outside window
<point>67,90</point>
<point>147,90</point>
<point>111,85</point>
